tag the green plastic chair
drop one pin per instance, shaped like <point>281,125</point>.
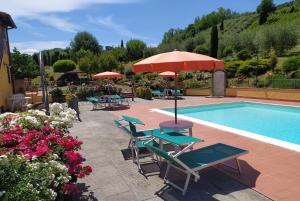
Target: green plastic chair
<point>192,162</point>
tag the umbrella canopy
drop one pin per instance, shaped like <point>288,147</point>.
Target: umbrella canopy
<point>178,61</point>
<point>106,75</point>
<point>167,74</point>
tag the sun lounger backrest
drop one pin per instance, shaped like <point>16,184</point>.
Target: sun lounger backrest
<point>132,128</point>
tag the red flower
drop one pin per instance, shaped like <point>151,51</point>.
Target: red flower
<point>88,169</point>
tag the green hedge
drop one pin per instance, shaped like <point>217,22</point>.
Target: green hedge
<point>64,65</point>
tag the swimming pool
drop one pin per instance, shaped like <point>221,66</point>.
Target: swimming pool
<point>275,124</point>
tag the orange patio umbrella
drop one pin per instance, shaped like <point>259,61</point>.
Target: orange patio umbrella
<point>176,61</point>
<point>167,74</point>
<point>106,75</point>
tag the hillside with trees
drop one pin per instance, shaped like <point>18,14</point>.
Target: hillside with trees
<point>261,45</point>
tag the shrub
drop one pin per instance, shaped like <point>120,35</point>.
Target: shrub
<point>84,92</point>
<point>64,66</point>
<point>243,55</point>
<point>201,49</point>
<point>291,64</point>
<point>39,159</point>
<point>232,67</point>
<point>144,93</point>
<point>247,68</point>
<point>57,95</point>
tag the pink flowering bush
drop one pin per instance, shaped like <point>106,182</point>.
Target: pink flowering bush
<point>29,136</point>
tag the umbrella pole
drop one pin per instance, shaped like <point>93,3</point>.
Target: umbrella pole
<point>175,98</point>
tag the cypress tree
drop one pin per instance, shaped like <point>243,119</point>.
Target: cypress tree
<point>214,41</point>
<point>222,26</point>
<point>122,44</point>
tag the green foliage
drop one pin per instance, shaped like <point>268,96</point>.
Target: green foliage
<point>24,65</point>
<point>273,61</point>
<point>246,68</point>
<point>23,181</point>
<point>193,84</point>
<point>144,93</point>
<point>57,95</point>
<point>243,55</point>
<point>119,53</point>
<point>107,62</point>
<point>89,64</point>
<point>150,51</point>
<point>135,49</point>
<point>214,41</point>
<point>83,92</point>
<point>201,49</point>
<point>213,19</point>
<point>291,64</point>
<point>86,41</point>
<point>64,66</point>
<point>265,7</point>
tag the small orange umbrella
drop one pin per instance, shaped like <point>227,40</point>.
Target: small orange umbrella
<point>106,75</point>
<point>167,74</point>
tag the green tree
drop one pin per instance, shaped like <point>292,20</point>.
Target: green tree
<point>122,44</point>
<point>64,65</point>
<point>86,41</point>
<point>264,8</point>
<point>135,49</point>
<point>150,51</point>
<point>108,62</point>
<point>24,65</point>
<point>120,54</point>
<point>201,49</point>
<point>214,41</point>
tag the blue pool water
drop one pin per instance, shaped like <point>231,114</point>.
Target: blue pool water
<point>279,122</point>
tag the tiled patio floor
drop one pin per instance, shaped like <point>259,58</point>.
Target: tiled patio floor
<point>116,179</point>
<point>270,170</point>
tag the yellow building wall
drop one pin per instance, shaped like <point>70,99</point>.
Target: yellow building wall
<point>5,85</point>
<point>197,92</point>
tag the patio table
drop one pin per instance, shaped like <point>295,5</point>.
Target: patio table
<point>181,124</point>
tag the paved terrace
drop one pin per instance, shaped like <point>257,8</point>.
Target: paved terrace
<point>268,169</point>
<point>115,178</point>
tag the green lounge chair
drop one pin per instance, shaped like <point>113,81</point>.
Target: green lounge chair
<point>137,143</point>
<point>192,162</point>
<point>134,120</point>
<point>157,93</point>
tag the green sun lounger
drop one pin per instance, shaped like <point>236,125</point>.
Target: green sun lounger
<point>192,162</point>
<point>137,142</point>
<point>100,102</point>
<point>157,93</point>
<point>134,120</point>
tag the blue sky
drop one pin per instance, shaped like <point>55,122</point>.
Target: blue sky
<point>53,23</point>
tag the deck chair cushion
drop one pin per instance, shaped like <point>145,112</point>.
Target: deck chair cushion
<point>207,155</point>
